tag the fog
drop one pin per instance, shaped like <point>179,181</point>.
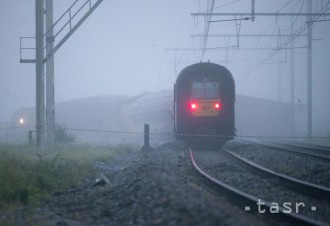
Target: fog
<point>120,50</point>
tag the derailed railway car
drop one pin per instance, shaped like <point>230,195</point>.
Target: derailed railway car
<point>204,104</point>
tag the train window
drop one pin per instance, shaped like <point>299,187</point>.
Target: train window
<point>204,90</point>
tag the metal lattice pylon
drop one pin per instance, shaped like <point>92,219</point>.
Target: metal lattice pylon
<point>55,36</point>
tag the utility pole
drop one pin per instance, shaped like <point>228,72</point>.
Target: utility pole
<point>279,83</point>
<point>292,76</point>
<point>292,67</point>
<point>309,70</point>
<point>66,25</point>
<point>279,68</point>
<point>40,105</point>
<point>226,57</point>
<point>50,100</point>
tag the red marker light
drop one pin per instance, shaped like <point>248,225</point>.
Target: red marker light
<point>193,106</point>
<point>217,106</point>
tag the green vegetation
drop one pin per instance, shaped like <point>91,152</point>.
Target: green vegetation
<point>62,136</point>
<point>28,174</point>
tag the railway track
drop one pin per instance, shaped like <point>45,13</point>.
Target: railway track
<point>311,189</point>
<point>309,146</point>
<point>321,151</point>
<point>296,165</point>
<point>247,199</point>
<point>314,152</point>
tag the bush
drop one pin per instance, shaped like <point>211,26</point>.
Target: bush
<point>62,136</point>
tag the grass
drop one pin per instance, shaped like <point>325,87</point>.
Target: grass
<point>28,174</point>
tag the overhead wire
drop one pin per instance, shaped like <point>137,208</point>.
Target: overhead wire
<point>295,18</point>
<point>285,43</point>
<point>196,19</point>
<point>285,5</point>
<point>296,34</point>
<point>172,133</point>
<point>276,22</point>
<point>210,5</point>
<point>227,4</point>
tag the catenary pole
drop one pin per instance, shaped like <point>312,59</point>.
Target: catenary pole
<point>44,17</point>
<point>292,74</point>
<point>40,106</point>
<point>292,66</point>
<point>309,25</point>
<point>50,101</point>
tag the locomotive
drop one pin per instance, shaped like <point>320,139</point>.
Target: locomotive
<point>204,104</point>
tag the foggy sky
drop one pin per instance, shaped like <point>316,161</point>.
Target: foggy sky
<point>119,50</point>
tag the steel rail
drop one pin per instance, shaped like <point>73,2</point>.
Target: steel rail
<point>286,148</point>
<point>317,148</point>
<point>248,199</point>
<point>311,189</point>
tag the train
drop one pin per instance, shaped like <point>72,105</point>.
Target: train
<point>204,105</point>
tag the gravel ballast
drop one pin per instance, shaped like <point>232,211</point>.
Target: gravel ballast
<point>289,163</point>
<point>230,172</point>
<point>157,187</point>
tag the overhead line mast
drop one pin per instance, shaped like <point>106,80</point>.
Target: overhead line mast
<point>72,20</point>
<point>40,102</point>
<point>50,99</point>
<point>309,70</point>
